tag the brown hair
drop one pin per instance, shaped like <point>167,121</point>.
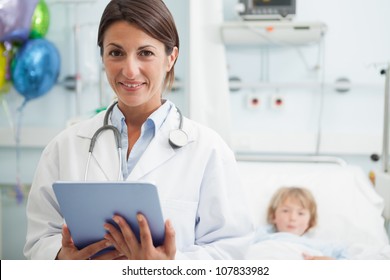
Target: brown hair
<point>302,195</point>
<point>151,16</point>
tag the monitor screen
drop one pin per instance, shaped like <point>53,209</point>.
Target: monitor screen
<point>258,3</point>
<point>267,9</point>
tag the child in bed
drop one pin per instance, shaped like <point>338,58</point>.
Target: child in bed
<point>292,212</point>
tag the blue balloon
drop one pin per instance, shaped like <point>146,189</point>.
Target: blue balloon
<point>35,68</point>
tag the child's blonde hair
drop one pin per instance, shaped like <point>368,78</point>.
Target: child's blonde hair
<point>302,195</point>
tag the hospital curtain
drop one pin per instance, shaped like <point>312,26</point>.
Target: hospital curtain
<point>209,100</point>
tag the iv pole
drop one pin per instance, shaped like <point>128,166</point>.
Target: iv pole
<point>76,39</point>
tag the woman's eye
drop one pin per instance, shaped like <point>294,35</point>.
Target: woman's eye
<point>146,53</point>
<point>115,53</point>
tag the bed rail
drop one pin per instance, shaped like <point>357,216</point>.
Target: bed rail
<point>290,159</point>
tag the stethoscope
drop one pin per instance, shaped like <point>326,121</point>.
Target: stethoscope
<point>177,138</point>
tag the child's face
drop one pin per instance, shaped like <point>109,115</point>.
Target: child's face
<point>290,216</point>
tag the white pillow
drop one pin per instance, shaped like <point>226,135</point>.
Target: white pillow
<point>349,209</point>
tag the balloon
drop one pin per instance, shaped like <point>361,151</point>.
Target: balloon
<point>18,35</point>
<point>3,65</point>
<point>15,19</point>
<point>40,20</point>
<point>35,68</point>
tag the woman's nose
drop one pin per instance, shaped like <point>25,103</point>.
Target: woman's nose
<point>130,68</point>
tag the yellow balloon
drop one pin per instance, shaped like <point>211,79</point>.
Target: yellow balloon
<point>3,65</point>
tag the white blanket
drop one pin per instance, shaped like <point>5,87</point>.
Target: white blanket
<point>279,250</point>
<point>285,246</point>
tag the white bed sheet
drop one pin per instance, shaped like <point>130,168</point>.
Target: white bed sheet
<point>349,209</point>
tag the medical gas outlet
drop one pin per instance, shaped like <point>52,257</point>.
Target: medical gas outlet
<point>254,101</point>
<point>277,102</point>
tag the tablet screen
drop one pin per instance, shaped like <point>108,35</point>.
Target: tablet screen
<point>87,206</point>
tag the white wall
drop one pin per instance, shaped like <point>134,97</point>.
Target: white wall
<point>351,123</point>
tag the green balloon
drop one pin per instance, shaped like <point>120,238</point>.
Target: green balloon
<point>40,20</point>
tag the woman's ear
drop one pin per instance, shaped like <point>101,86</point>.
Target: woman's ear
<point>172,58</point>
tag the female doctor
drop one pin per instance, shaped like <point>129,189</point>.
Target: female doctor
<point>194,170</point>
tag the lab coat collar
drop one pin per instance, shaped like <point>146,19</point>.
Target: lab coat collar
<point>159,150</point>
<point>105,157</point>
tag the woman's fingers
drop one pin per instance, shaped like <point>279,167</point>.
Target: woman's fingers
<point>170,240</point>
<point>70,252</point>
<point>110,255</point>
<point>128,234</point>
<point>115,238</point>
<point>144,233</point>
<point>91,250</point>
<point>129,246</point>
<point>124,239</point>
<point>66,237</point>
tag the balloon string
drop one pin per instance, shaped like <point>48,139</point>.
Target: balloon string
<point>18,186</point>
<point>7,113</point>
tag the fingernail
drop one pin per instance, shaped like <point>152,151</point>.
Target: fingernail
<point>139,218</point>
<point>116,220</point>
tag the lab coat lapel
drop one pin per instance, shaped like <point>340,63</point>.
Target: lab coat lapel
<point>157,153</point>
<point>159,150</point>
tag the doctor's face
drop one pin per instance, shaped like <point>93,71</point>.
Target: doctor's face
<point>290,216</point>
<point>136,65</point>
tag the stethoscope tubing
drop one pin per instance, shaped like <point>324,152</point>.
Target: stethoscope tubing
<point>95,136</point>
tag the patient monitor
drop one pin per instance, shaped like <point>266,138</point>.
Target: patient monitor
<point>266,9</point>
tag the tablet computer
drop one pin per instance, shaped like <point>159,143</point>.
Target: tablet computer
<point>87,206</point>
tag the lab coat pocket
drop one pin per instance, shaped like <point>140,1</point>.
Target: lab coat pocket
<point>182,214</point>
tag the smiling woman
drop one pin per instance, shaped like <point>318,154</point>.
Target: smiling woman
<point>136,15</point>
<point>139,46</point>
<point>136,67</point>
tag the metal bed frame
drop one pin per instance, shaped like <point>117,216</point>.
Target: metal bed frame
<point>290,159</point>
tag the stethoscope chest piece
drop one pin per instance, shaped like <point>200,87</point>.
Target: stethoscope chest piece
<point>178,138</point>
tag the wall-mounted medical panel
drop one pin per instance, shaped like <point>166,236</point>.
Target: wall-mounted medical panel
<point>327,72</point>
<point>272,32</point>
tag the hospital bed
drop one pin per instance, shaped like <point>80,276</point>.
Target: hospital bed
<point>349,209</point>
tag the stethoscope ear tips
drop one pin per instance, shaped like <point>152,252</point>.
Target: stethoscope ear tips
<point>178,138</point>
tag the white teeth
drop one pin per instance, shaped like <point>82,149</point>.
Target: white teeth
<point>132,85</point>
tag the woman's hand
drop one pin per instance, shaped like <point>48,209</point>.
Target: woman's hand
<point>127,244</point>
<point>70,252</point>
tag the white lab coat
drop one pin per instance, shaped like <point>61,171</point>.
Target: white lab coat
<point>198,185</point>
